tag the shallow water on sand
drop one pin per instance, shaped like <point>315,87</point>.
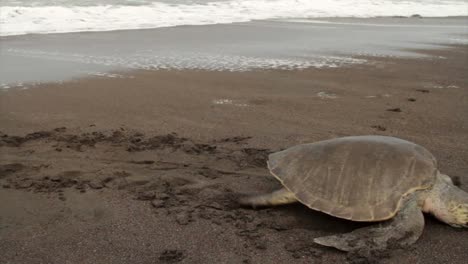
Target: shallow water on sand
<point>274,44</point>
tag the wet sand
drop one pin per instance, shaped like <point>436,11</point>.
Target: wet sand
<point>146,169</point>
<point>265,44</point>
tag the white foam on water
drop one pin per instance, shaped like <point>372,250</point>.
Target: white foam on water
<point>18,20</point>
<point>367,24</point>
<point>377,96</point>
<point>326,95</point>
<point>444,87</point>
<point>228,102</point>
<point>222,101</point>
<point>462,41</point>
<point>109,75</point>
<point>192,61</point>
<point>18,85</point>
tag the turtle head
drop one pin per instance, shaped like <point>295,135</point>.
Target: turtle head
<point>447,202</point>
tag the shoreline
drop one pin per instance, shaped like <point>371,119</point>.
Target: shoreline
<point>415,16</point>
<point>373,65</point>
<point>248,46</point>
<point>424,55</point>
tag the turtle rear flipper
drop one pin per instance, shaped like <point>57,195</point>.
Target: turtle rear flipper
<point>278,197</point>
<point>402,230</point>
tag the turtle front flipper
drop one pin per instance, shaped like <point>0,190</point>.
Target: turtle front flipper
<point>402,230</point>
<point>279,197</point>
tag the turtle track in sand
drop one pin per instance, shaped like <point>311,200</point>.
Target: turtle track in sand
<point>185,179</point>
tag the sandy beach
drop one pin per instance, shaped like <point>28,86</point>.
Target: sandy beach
<point>146,167</point>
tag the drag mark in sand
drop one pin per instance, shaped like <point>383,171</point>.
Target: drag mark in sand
<point>189,181</point>
<point>185,179</point>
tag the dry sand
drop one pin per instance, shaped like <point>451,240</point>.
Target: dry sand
<point>147,169</point>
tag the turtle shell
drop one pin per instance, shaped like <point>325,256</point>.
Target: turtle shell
<point>360,178</point>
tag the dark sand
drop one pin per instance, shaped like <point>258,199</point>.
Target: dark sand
<point>146,169</point>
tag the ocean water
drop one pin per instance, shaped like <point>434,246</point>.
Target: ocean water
<point>248,35</point>
<point>18,17</point>
<point>256,45</point>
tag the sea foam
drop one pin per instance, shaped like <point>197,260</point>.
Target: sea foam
<point>18,20</point>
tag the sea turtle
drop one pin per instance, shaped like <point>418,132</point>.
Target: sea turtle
<point>368,179</point>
